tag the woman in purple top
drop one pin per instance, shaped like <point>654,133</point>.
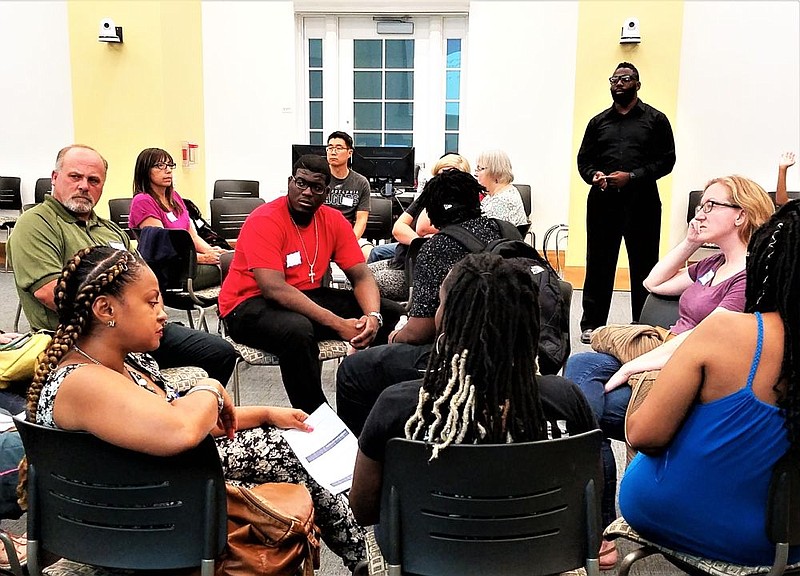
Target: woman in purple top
<point>730,210</point>
<point>156,203</point>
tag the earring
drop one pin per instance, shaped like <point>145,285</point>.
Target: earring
<point>111,323</point>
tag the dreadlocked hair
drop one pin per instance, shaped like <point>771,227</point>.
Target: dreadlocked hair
<point>773,285</point>
<point>451,197</point>
<point>480,385</point>
<point>90,273</point>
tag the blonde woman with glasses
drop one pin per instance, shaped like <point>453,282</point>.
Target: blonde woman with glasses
<point>502,200</point>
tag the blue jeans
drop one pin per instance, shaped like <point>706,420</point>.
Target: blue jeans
<point>590,371</point>
<point>382,252</point>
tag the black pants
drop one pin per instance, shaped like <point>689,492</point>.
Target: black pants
<point>612,215</point>
<point>292,337</point>
<point>182,346</point>
<point>363,376</point>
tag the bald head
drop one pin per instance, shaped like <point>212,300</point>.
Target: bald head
<point>78,179</point>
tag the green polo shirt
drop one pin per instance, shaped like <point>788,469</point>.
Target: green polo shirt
<point>44,239</point>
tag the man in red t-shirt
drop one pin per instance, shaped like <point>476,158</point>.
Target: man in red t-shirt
<point>273,297</point>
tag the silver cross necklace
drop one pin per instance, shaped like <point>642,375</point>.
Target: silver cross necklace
<point>311,263</point>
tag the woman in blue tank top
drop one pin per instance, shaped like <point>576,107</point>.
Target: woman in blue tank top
<point>723,411</point>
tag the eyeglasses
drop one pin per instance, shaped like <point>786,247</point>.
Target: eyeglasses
<point>480,168</point>
<point>164,165</point>
<point>337,149</point>
<point>625,78</point>
<point>708,206</point>
<point>318,189</point>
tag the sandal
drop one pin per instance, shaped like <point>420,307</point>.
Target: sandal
<point>20,546</point>
<point>608,555</point>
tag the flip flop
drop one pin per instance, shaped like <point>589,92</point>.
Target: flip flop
<point>20,546</point>
<point>608,555</point>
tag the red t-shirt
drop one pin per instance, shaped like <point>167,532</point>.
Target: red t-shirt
<point>270,240</point>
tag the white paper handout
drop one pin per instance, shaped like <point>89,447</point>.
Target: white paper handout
<point>328,452</point>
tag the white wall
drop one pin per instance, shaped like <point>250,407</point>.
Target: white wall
<point>738,98</point>
<point>519,96</point>
<point>36,97</point>
<point>250,98</point>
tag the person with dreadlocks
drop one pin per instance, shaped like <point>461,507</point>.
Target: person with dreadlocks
<point>110,313</point>
<point>450,197</point>
<point>474,390</point>
<point>715,423</point>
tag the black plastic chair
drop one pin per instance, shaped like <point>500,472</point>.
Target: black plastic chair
<point>782,525</point>
<point>792,194</point>
<point>236,189</point>
<point>95,503</point>
<point>531,508</point>
<point>228,215</point>
<point>44,186</point>
<point>379,221</point>
<point>660,311</point>
<point>11,200</point>
<point>120,210</point>
<point>527,202</point>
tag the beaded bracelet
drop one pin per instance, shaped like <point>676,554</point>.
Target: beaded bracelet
<point>220,399</point>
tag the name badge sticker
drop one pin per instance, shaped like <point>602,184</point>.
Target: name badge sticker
<point>171,217</point>
<point>117,245</point>
<point>706,278</point>
<point>347,201</point>
<point>293,259</point>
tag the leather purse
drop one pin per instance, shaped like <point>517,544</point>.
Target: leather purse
<point>271,531</point>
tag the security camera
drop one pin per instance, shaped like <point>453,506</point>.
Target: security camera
<point>630,32</point>
<point>109,32</point>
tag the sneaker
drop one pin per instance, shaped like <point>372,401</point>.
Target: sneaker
<point>586,336</point>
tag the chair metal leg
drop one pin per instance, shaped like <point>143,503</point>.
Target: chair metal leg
<point>18,316</point>
<point>235,389</point>
<point>636,555</point>
<point>11,554</point>
<point>191,319</point>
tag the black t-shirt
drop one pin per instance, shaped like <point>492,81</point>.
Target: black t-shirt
<point>565,407</point>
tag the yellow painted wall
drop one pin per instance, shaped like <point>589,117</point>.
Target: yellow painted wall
<point>145,92</point>
<point>599,51</point>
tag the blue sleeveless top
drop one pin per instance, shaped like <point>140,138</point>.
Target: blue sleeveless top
<point>706,494</point>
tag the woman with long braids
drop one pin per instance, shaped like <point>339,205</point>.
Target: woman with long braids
<point>110,312</point>
<point>481,384</point>
<point>716,422</point>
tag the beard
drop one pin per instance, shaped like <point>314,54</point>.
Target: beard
<point>625,97</point>
<point>79,205</point>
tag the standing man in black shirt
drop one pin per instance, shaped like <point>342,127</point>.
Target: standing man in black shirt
<point>625,149</point>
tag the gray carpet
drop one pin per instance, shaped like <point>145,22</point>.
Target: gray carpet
<point>262,385</point>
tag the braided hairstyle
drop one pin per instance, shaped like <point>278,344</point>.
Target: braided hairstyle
<point>480,385</point>
<point>773,285</point>
<point>89,274</point>
<point>451,197</point>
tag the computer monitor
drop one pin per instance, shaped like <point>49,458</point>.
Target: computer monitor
<point>303,149</point>
<point>383,165</point>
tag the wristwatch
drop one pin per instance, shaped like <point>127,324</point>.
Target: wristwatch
<point>631,175</point>
<point>378,316</point>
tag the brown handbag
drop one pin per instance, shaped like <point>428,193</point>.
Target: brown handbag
<point>628,341</point>
<point>271,532</point>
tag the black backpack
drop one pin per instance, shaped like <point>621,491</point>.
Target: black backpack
<point>554,344</point>
<point>204,229</point>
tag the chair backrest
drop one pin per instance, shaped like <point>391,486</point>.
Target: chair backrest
<point>228,215</point>
<point>792,194</point>
<point>171,255</point>
<point>530,508</point>
<point>10,195</point>
<point>120,210</point>
<point>236,189</point>
<point>525,194</point>
<point>379,221</point>
<point>694,201</point>
<point>659,311</point>
<point>44,186</point>
<point>96,503</point>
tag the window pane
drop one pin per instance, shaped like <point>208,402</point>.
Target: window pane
<point>399,53</point>
<point>367,85</point>
<point>315,115</point>
<point>454,53</point>
<point>451,142</point>
<point>315,138</point>
<point>395,139</point>
<point>367,53</point>
<point>451,116</point>
<point>453,85</point>
<point>400,116</point>
<point>399,85</point>
<point>315,84</point>
<point>366,139</point>
<point>367,116</point>
<point>315,53</point>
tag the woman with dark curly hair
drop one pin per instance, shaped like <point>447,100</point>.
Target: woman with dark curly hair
<point>723,410</point>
